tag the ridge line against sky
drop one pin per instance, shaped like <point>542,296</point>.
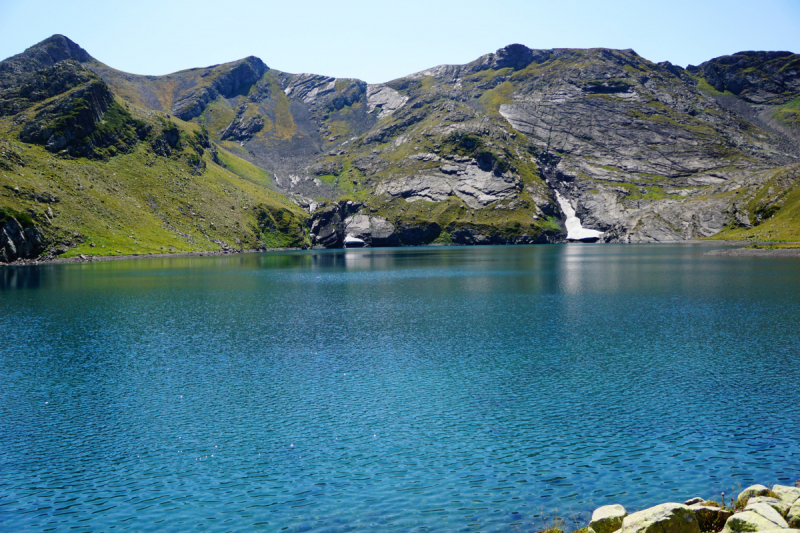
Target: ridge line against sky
<point>380,42</point>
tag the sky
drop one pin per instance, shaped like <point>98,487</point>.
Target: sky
<point>380,41</point>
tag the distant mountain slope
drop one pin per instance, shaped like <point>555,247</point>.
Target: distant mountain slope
<point>475,153</point>
<point>94,175</point>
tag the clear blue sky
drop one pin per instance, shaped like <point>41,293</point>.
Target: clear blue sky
<point>378,41</point>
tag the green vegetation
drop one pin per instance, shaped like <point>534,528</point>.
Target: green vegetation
<point>141,202</point>
<point>24,219</point>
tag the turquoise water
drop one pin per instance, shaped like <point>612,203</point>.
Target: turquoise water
<point>438,389</point>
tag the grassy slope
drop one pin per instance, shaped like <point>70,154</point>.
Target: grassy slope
<point>141,202</point>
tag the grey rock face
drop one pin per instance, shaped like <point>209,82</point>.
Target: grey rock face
<point>664,518</point>
<point>328,227</point>
<point>476,187</point>
<point>386,98</point>
<point>17,242</point>
<point>374,231</point>
<point>607,519</point>
<point>758,77</point>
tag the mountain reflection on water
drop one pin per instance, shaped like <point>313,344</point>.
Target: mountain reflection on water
<point>480,388</point>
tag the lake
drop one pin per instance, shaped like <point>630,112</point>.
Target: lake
<point>406,389</point>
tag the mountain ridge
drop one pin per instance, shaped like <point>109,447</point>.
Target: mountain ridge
<point>477,153</point>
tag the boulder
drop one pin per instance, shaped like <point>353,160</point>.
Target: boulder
<point>710,518</point>
<point>767,512</point>
<point>793,516</point>
<point>781,506</point>
<point>786,493</point>
<point>607,519</point>
<point>694,501</point>
<point>664,518</point>
<point>749,521</point>
<point>752,491</point>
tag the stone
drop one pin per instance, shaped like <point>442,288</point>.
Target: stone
<point>693,501</point>
<point>793,516</point>
<point>752,491</point>
<point>786,493</point>
<point>749,521</point>
<point>664,518</point>
<point>710,518</point>
<point>779,505</point>
<point>607,519</point>
<point>767,512</point>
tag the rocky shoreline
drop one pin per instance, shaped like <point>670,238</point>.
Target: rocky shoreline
<point>756,509</point>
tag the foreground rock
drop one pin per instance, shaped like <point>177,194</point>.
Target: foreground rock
<point>709,517</point>
<point>753,491</point>
<point>750,521</point>
<point>664,518</point>
<point>787,494</point>
<point>793,516</point>
<point>607,519</point>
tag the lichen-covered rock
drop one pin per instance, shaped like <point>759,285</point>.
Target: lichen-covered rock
<point>710,518</point>
<point>768,512</point>
<point>793,516</point>
<point>664,518</point>
<point>779,505</point>
<point>607,519</point>
<point>752,491</point>
<point>749,521</point>
<point>786,493</point>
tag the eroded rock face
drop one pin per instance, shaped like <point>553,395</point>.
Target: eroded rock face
<point>664,518</point>
<point>476,187</point>
<point>758,77</point>
<point>328,227</point>
<point>374,231</point>
<point>17,242</point>
<point>386,98</point>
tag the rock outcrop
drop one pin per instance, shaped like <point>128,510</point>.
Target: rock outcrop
<point>226,83</point>
<point>17,242</point>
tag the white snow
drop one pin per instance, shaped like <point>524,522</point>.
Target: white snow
<point>575,231</point>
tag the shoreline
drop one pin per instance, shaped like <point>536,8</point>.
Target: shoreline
<point>727,252</point>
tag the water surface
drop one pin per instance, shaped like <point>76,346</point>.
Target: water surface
<point>438,389</point>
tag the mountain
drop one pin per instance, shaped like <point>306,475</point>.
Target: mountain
<point>82,171</point>
<point>487,152</point>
